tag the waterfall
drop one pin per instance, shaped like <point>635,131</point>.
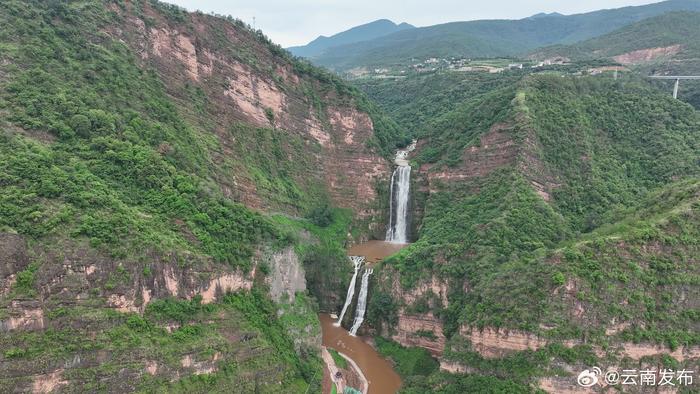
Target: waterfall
<point>398,221</point>
<point>398,197</point>
<point>357,262</point>
<point>361,303</point>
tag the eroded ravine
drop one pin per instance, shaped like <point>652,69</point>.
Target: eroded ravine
<point>378,372</point>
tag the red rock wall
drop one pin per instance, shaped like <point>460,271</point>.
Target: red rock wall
<point>243,81</point>
<point>410,325</point>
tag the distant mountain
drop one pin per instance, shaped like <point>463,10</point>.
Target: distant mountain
<point>360,33</point>
<point>671,35</point>
<point>491,38</point>
<point>544,14</point>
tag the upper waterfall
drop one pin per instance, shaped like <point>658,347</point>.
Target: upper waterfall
<point>399,193</point>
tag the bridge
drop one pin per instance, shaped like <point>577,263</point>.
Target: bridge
<point>677,78</point>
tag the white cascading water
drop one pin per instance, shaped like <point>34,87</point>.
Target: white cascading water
<point>398,198</point>
<point>361,303</point>
<point>357,262</point>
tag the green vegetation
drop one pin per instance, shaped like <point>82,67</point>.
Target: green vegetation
<point>322,250</point>
<point>382,310</point>
<point>623,139</point>
<point>261,312</point>
<point>587,202</point>
<point>26,280</point>
<point>678,30</point>
<point>416,102</point>
<point>203,334</point>
<point>620,225</point>
<point>107,174</point>
<point>339,360</point>
<point>446,383</point>
<point>501,234</point>
<point>277,164</point>
<point>108,158</point>
<point>668,29</point>
<point>521,366</point>
<point>408,361</point>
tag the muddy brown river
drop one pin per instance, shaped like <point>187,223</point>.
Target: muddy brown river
<point>380,375</point>
<point>375,250</point>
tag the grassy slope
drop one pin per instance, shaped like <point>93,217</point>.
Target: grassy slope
<point>105,174</point>
<point>202,332</point>
<point>610,145</point>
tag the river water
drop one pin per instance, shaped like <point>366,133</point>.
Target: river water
<point>373,251</point>
<point>378,371</point>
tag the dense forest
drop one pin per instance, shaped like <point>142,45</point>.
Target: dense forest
<point>592,185</point>
<point>114,208</point>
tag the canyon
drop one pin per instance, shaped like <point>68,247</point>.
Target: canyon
<point>184,207</point>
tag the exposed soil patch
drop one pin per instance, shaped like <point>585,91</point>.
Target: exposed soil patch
<point>647,55</point>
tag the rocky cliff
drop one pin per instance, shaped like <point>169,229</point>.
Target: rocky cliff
<point>241,79</point>
<point>77,315</point>
<point>156,168</point>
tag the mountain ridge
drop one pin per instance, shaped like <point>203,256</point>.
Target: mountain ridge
<point>667,44</point>
<point>364,32</point>
<point>490,38</point>
<point>668,29</point>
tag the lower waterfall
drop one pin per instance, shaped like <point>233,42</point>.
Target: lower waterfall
<point>357,261</point>
<point>361,303</point>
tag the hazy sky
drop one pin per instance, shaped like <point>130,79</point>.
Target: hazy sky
<point>296,22</point>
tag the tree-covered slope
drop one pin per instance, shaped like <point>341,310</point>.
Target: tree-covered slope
<point>142,149</point>
<point>664,45</point>
<point>416,101</point>
<point>558,229</point>
<point>667,30</point>
<point>490,38</point>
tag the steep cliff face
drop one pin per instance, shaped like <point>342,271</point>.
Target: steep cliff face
<point>323,136</point>
<point>80,314</point>
<point>416,324</point>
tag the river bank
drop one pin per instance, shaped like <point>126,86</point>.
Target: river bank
<point>377,371</point>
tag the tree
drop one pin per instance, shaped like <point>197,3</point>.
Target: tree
<point>81,125</point>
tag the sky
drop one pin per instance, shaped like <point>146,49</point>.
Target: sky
<point>296,22</point>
